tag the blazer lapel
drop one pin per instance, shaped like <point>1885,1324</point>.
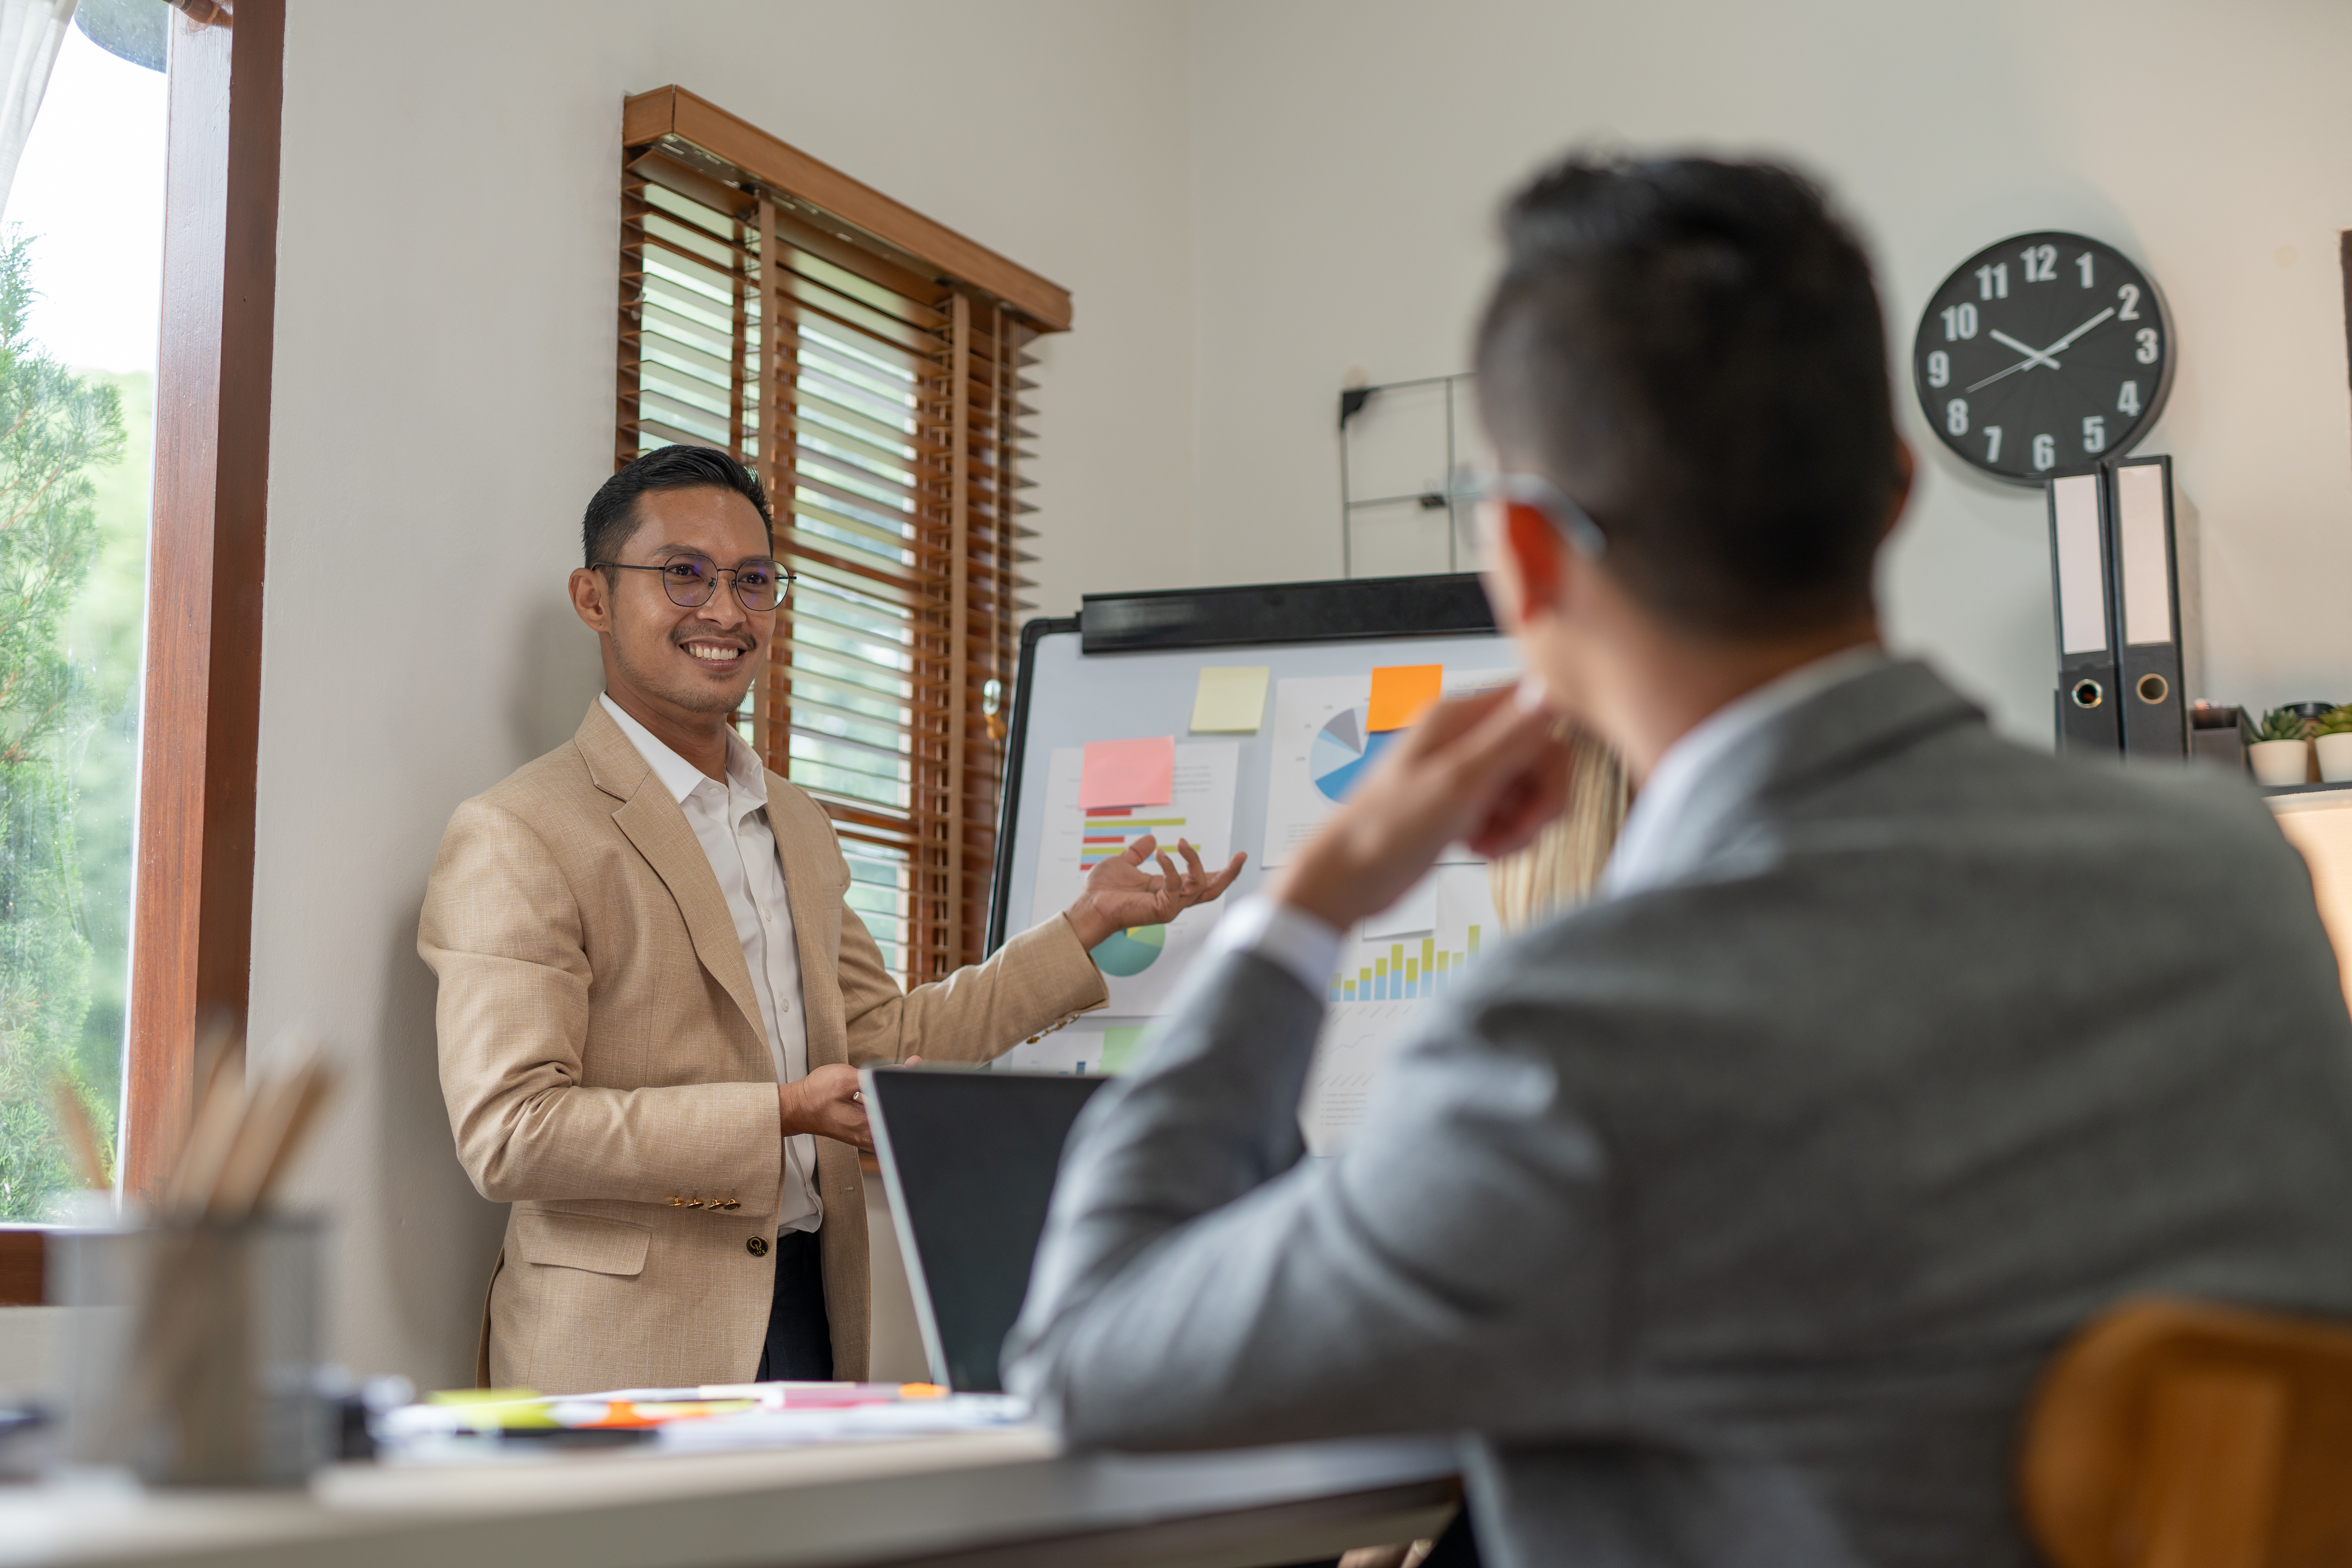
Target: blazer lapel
<point>818,910</point>
<point>658,829</point>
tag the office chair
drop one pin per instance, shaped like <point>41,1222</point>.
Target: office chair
<point>2180,1435</point>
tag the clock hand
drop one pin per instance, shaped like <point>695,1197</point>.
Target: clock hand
<point>2078,331</point>
<point>2012,370</point>
<point>2033,355</point>
<point>2037,356</point>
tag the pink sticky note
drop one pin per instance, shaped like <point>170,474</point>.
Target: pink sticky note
<point>1128,773</point>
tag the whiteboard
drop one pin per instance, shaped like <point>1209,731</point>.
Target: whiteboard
<point>1069,697</point>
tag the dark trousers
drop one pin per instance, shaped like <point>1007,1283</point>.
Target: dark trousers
<point>799,1335</point>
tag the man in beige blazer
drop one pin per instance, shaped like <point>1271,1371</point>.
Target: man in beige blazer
<point>652,1006</point>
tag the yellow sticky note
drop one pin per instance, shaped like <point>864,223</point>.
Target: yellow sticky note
<point>1230,700</point>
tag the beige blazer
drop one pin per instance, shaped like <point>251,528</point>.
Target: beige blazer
<point>606,1072</point>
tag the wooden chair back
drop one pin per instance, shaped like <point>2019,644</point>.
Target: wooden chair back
<point>2177,1434</point>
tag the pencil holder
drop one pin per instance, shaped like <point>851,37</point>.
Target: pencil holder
<point>195,1351</point>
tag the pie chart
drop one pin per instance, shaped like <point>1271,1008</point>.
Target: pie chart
<point>1341,751</point>
<point>1133,951</point>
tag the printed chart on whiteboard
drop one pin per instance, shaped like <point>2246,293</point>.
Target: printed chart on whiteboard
<point>1298,754</point>
<point>1391,968</point>
<point>1195,804</point>
<point>1329,730</point>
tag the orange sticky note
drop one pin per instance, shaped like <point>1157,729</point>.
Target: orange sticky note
<point>1402,693</point>
<point>1128,773</point>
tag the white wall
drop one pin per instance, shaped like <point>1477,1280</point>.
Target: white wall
<point>1349,158</point>
<point>443,408</point>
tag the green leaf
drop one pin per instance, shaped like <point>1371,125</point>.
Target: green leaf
<point>2282,724</point>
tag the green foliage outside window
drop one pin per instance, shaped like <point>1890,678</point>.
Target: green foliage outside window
<point>57,431</point>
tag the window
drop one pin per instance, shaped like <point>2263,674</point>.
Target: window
<point>866,364</point>
<point>80,279</point>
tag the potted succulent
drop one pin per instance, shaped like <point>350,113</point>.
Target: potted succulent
<point>2281,754</point>
<point>2331,739</point>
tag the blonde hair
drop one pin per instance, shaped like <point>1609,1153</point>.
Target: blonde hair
<point>1557,871</point>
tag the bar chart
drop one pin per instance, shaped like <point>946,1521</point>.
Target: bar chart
<point>1413,969</point>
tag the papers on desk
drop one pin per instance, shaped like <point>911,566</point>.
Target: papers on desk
<point>711,1419</point>
<point>843,1424</point>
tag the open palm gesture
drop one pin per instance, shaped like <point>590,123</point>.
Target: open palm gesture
<point>1121,893</point>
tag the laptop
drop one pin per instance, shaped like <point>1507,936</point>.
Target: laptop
<point>969,1159</point>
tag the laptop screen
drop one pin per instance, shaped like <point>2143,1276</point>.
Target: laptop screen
<point>969,1161</point>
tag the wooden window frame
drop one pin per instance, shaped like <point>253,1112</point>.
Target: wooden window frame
<point>192,922</point>
<point>200,718</point>
<point>990,306</point>
<point>673,111</point>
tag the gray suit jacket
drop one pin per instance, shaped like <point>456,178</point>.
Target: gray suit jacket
<point>1734,1218</point>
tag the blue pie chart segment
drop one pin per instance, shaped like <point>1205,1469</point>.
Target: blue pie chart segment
<point>1133,951</point>
<point>1340,751</point>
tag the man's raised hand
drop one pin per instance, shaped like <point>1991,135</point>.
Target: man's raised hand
<point>1121,893</point>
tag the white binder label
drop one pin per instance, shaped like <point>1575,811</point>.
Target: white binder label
<point>2081,584</point>
<point>2140,538</point>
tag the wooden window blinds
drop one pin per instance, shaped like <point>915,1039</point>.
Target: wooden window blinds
<point>866,364</point>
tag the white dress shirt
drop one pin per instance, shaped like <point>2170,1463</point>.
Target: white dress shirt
<point>730,820</point>
<point>1305,947</point>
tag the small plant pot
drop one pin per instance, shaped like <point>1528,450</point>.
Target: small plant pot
<point>2335,757</point>
<point>2281,761</point>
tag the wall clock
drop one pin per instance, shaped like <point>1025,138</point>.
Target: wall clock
<point>2045,351</point>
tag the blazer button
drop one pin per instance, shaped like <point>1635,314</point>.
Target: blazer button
<point>757,1246</point>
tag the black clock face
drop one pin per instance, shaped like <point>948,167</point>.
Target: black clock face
<point>2046,350</point>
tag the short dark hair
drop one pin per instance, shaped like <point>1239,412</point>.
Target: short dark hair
<point>1692,349</point>
<point>612,515</point>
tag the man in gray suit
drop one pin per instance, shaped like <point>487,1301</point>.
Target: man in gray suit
<point>1732,1214</point>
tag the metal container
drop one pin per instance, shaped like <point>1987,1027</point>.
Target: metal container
<point>194,1351</point>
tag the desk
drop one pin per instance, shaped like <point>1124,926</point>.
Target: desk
<point>985,1499</point>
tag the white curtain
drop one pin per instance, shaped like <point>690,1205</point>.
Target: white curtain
<point>31,32</point>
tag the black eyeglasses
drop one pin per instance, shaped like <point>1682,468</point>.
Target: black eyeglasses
<point>689,579</point>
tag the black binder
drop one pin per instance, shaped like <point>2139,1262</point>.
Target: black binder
<point>2084,600</point>
<point>2149,628</point>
